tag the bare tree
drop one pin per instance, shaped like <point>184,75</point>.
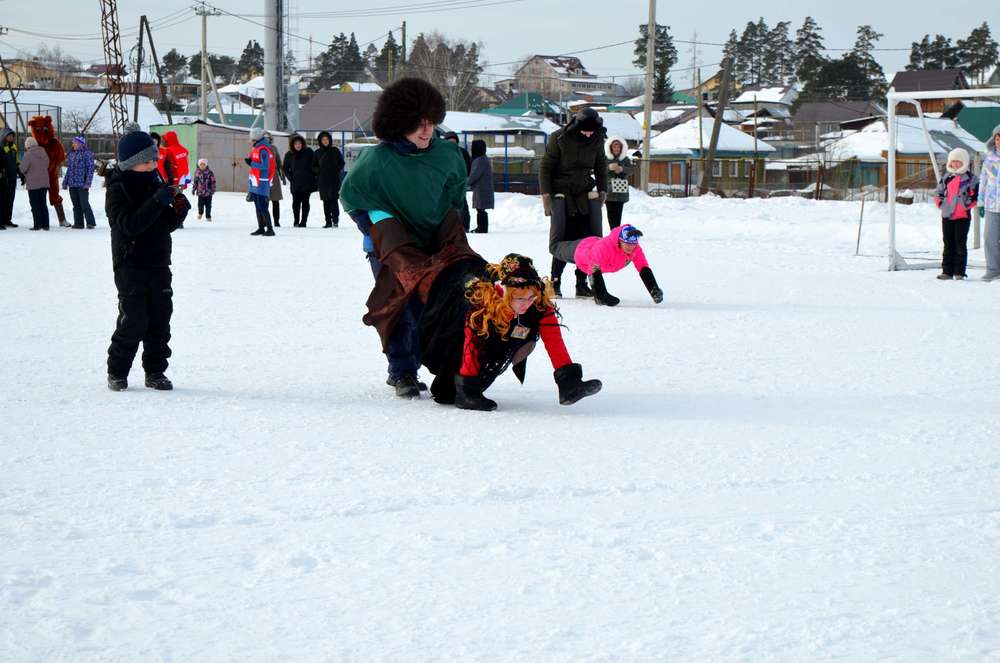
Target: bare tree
<point>74,121</point>
<point>634,86</point>
<point>451,65</point>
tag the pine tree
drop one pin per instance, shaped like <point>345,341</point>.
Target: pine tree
<point>978,54</point>
<point>941,54</point>
<point>808,50</point>
<point>352,65</point>
<point>664,58</point>
<point>388,64</point>
<point>837,80</point>
<point>251,61</point>
<point>328,64</point>
<point>173,65</point>
<point>223,66</point>
<point>731,51</point>
<point>778,55</point>
<point>864,46</point>
<point>918,54</point>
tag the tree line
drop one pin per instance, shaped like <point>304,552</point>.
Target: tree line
<point>764,55</point>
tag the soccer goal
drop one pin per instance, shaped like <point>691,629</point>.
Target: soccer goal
<point>932,258</point>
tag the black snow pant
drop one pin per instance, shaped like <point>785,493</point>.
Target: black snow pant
<point>80,198</point>
<point>331,212</point>
<point>300,208</point>
<point>956,254</point>
<point>205,206</point>
<point>145,304</point>
<point>8,189</point>
<point>39,199</point>
<point>261,205</point>
<point>276,212</point>
<point>614,213</point>
<point>564,228</point>
<point>466,216</point>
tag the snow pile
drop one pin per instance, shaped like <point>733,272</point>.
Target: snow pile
<point>793,458</point>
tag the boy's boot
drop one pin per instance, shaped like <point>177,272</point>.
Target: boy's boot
<point>572,386</point>
<point>601,294</point>
<point>581,285</point>
<point>159,382</point>
<point>116,383</point>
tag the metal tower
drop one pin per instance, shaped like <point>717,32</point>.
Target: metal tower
<point>115,64</point>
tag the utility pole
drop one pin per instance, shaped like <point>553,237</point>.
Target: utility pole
<point>705,181</point>
<point>701,140</point>
<point>204,12</point>
<point>275,93</point>
<point>404,44</point>
<point>648,115</point>
<point>114,65</point>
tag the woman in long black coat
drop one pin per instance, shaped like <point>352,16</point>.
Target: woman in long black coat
<point>481,185</point>
<point>328,164</point>
<point>298,168</point>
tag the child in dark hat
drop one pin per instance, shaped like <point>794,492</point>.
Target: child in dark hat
<point>505,308</point>
<point>406,195</point>
<point>142,212</point>
<point>597,256</point>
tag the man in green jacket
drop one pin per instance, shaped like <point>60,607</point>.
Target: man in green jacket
<point>405,195</point>
<point>573,180</point>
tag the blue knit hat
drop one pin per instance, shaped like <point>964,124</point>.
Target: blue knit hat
<point>629,234</point>
<point>135,148</point>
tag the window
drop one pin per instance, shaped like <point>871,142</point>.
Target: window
<point>913,170</point>
<point>716,168</point>
<point>500,139</point>
<point>540,140</point>
<point>734,168</point>
<point>747,169</point>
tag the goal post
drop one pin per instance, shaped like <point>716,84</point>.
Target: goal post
<point>893,99</point>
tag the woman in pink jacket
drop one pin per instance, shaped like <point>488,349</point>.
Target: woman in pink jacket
<point>597,256</point>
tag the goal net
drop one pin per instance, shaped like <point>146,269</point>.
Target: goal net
<point>908,169</point>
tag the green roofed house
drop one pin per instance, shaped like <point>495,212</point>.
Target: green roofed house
<point>528,103</point>
<point>978,117</point>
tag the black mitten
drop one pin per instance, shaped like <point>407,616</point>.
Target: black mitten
<point>572,386</point>
<point>648,280</point>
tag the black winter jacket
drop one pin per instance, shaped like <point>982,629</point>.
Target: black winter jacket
<point>328,163</point>
<point>140,222</point>
<point>298,167</point>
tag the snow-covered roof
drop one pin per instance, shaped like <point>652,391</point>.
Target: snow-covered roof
<point>359,87</point>
<point>564,65</point>
<point>869,143</point>
<point>683,139</point>
<point>462,122</point>
<point>254,88</point>
<point>769,95</point>
<point>622,124</point>
<point>84,104</point>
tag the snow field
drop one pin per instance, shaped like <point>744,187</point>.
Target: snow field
<point>793,458</point>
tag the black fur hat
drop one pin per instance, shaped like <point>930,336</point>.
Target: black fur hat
<point>586,119</point>
<point>403,105</point>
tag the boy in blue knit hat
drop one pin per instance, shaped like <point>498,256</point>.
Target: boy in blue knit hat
<point>142,212</point>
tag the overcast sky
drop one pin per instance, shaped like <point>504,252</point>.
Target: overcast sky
<point>508,30</point>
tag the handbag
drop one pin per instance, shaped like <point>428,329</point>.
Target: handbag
<point>619,185</point>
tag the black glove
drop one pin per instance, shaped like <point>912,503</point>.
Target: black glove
<point>571,385</point>
<point>469,394</point>
<point>165,196</point>
<point>247,161</point>
<point>24,181</point>
<point>648,280</point>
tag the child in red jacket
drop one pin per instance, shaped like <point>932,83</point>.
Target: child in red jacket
<point>956,198</point>
<point>597,256</point>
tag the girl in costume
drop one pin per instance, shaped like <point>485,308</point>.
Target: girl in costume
<point>481,319</point>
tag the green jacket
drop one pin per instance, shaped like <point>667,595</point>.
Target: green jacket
<point>10,159</point>
<point>570,166</point>
<point>418,188</point>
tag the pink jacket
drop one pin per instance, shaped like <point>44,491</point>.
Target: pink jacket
<point>605,254</point>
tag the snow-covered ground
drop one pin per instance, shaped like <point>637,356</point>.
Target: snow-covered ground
<point>794,458</point>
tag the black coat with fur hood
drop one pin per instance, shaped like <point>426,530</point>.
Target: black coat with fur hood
<point>298,167</point>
